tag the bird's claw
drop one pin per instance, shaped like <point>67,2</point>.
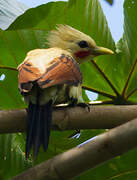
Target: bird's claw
<point>84,105</point>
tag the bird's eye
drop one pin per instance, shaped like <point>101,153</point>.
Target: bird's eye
<point>83,44</point>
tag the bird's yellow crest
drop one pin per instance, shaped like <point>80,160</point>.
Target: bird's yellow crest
<point>66,34</point>
<point>80,45</point>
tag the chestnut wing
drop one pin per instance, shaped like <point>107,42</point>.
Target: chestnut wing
<point>61,70</point>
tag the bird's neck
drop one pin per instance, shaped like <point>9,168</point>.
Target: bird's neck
<point>82,54</point>
<point>82,57</point>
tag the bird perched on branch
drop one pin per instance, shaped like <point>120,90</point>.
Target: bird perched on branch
<point>52,76</point>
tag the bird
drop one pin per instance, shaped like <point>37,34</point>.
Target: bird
<point>52,76</point>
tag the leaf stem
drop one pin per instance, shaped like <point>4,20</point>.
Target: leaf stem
<point>132,92</point>
<point>105,77</point>
<point>128,79</point>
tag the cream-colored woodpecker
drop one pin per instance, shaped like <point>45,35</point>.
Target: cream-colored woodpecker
<point>52,76</point>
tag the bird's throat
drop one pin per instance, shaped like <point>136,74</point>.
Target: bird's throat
<point>82,54</point>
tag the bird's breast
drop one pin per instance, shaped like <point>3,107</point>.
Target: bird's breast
<point>59,94</point>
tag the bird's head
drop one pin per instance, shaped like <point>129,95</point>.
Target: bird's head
<point>81,46</point>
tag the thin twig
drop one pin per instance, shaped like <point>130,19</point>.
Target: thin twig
<point>99,92</point>
<point>128,79</point>
<point>105,77</point>
<point>9,68</point>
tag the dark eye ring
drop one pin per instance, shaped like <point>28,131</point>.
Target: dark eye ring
<point>83,44</point>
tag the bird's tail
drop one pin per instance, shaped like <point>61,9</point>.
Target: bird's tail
<point>38,127</point>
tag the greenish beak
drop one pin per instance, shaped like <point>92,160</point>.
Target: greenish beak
<point>101,51</point>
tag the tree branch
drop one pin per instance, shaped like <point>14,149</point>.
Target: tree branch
<point>64,118</point>
<point>79,159</point>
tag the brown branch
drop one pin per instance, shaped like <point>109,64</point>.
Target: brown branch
<point>79,159</point>
<point>99,117</point>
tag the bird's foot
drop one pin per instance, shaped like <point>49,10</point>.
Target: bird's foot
<point>84,105</point>
<point>73,103</point>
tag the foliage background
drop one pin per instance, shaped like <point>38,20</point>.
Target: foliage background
<point>113,77</point>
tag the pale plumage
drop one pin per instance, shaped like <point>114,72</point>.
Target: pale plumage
<point>67,38</point>
<point>48,67</point>
<point>51,76</point>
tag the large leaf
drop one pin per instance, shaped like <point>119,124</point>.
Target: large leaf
<point>12,156</point>
<point>120,168</point>
<point>11,55</point>
<point>15,43</point>
<point>29,32</point>
<point>60,142</point>
<point>130,36</point>
<point>103,76</point>
<point>123,167</point>
<point>122,69</point>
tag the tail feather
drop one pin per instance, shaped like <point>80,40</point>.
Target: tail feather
<point>37,132</point>
<point>38,127</point>
<point>30,121</point>
<point>47,124</point>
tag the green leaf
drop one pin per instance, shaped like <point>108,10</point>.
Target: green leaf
<point>91,21</point>
<point>122,69</point>
<point>108,74</point>
<point>84,96</point>
<point>45,17</point>
<point>120,168</point>
<point>130,36</point>
<point>60,142</point>
<point>12,54</point>
<point>42,17</point>
<point>12,156</point>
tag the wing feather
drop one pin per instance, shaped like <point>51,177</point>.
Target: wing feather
<point>64,70</point>
<point>60,70</point>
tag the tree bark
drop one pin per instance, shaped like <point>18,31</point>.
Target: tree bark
<point>99,117</point>
<point>79,159</point>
